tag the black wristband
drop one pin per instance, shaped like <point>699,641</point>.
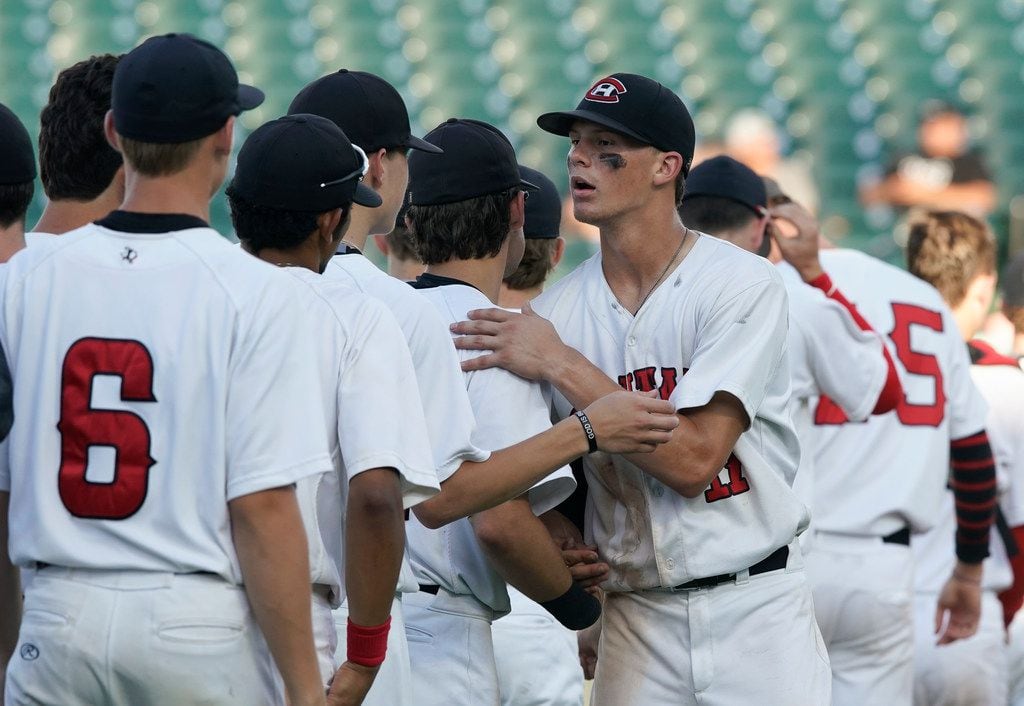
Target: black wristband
<point>575,609</point>
<point>588,429</point>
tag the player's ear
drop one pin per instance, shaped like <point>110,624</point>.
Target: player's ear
<point>667,168</point>
<point>375,174</point>
<point>558,251</point>
<point>382,243</point>
<point>223,138</point>
<point>110,132</point>
<point>517,211</point>
<point>327,224</point>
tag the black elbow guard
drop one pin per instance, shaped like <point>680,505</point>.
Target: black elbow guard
<point>575,609</point>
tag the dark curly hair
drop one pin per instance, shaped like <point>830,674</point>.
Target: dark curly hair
<point>260,227</point>
<point>465,230</point>
<point>75,160</point>
<point>14,202</point>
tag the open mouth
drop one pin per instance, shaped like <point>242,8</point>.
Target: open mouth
<point>581,187</point>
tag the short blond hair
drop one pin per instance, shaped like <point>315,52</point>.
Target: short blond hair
<point>153,160</point>
<point>949,249</point>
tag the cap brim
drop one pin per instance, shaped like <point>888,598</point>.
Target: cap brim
<point>416,143</point>
<point>365,196</point>
<point>249,97</point>
<point>560,123</point>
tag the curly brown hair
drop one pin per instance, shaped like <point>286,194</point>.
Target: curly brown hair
<point>949,249</point>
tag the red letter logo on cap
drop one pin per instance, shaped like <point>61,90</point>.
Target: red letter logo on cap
<point>607,90</point>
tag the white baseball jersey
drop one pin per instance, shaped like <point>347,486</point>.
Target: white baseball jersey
<point>828,355</point>
<point>373,413</point>
<point>876,477</point>
<point>1001,383</point>
<point>716,323</point>
<point>508,409</point>
<point>159,373</point>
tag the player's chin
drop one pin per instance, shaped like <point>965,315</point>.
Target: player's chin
<point>586,211</point>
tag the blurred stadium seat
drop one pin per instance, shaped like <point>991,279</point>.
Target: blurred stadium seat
<point>844,78</point>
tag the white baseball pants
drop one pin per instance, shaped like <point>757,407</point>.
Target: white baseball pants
<point>90,638</point>
<point>971,672</point>
<point>863,598</point>
<point>749,642</point>
<point>450,650</point>
<point>538,659</point>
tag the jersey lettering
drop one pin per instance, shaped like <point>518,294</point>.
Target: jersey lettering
<point>82,426</point>
<point>914,362</point>
<point>736,484</point>
<point>645,379</point>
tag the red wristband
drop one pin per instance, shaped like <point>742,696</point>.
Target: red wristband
<point>367,646</point>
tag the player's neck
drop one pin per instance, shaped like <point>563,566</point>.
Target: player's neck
<point>1018,344</point>
<point>11,240</point>
<point>186,192</point>
<point>634,254</point>
<point>359,227</point>
<point>966,322</point>
<point>66,215</point>
<point>485,275</point>
<point>515,298</point>
<point>305,255</point>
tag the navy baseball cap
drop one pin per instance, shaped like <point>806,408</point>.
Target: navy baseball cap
<point>724,177</point>
<point>365,106</point>
<point>17,160</point>
<point>175,88</point>
<point>543,208</point>
<point>477,160</point>
<point>302,163</point>
<point>635,106</point>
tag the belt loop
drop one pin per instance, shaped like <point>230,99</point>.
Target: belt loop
<point>743,577</point>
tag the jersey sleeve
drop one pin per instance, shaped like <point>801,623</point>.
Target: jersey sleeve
<point>508,410</point>
<point>967,408</point>
<point>741,345</point>
<point>443,387</point>
<point>380,416</point>
<point>6,419</point>
<point>275,410</point>
<point>845,362</point>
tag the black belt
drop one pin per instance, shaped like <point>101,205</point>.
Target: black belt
<point>774,561</point>
<point>901,536</point>
<point>430,588</point>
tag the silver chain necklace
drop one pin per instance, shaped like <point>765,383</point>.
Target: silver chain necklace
<point>664,272</point>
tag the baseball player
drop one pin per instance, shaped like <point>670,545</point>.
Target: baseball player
<point>830,353</point>
<point>882,480</point>
<point>81,173</point>
<point>466,217</point>
<point>536,656</point>
<point>956,254</point>
<point>473,479</point>
<point>17,182</point>
<point>707,600</point>
<point>354,518</point>
<point>150,470</point>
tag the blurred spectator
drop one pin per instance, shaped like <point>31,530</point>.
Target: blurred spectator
<point>752,137</point>
<point>1013,300</point>
<point>944,172</point>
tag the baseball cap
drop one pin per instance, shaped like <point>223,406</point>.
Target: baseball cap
<point>176,88</point>
<point>477,160</point>
<point>302,163</point>
<point>635,106</point>
<point>1012,282</point>
<point>543,208</point>
<point>365,106</point>
<point>724,177</point>
<point>17,160</point>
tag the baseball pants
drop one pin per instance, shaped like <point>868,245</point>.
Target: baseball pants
<point>90,638</point>
<point>971,672</point>
<point>753,641</point>
<point>537,658</point>
<point>393,684</point>
<point>450,650</point>
<point>863,594</point>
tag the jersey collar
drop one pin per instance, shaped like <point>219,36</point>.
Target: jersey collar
<point>429,281</point>
<point>150,223</point>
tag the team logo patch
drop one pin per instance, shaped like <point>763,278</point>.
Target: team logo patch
<point>129,255</point>
<point>607,90</point>
<point>29,652</point>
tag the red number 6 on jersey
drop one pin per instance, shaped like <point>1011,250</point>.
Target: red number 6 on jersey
<point>81,426</point>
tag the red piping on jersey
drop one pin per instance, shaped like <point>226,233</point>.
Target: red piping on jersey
<point>892,391</point>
